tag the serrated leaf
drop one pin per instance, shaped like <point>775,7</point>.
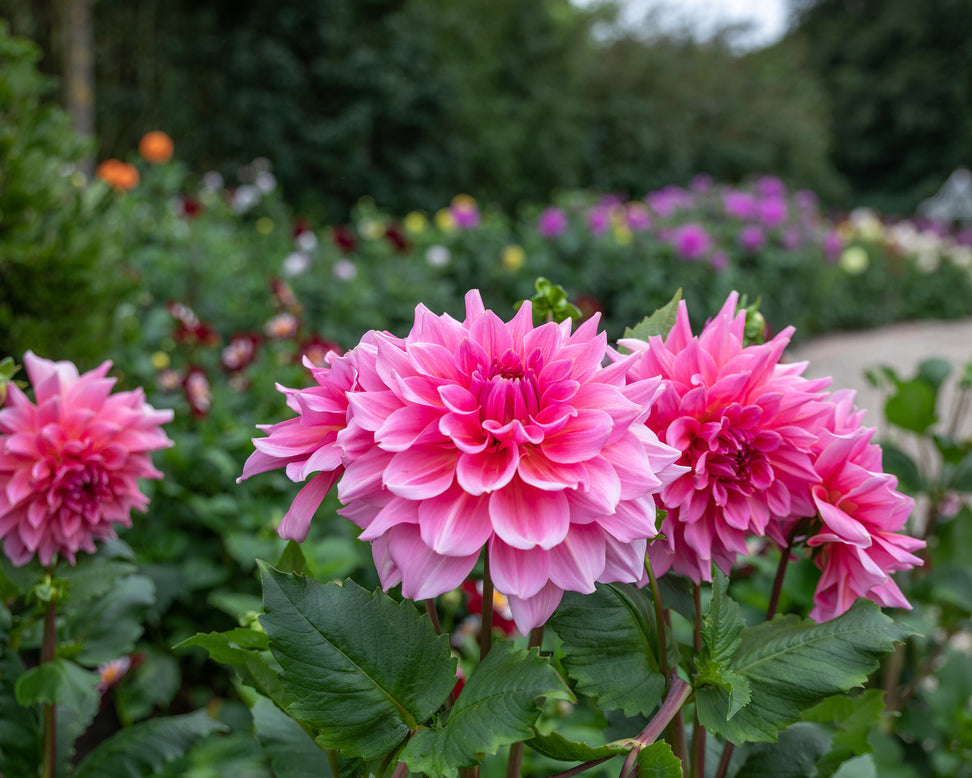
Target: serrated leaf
<point>60,681</point>
<point>144,748</point>
<point>556,746</point>
<point>658,761</point>
<point>497,706</point>
<point>240,648</point>
<point>359,667</point>
<point>721,630</point>
<point>94,576</point>
<point>620,673</point>
<point>853,719</point>
<point>792,664</point>
<point>659,323</point>
<point>292,752</point>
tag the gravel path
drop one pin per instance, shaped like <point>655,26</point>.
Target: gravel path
<point>846,356</point>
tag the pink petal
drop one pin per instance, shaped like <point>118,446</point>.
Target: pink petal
<point>578,562</point>
<point>425,573</point>
<point>488,470</point>
<point>581,438</point>
<point>515,571</point>
<point>296,521</point>
<point>455,523</point>
<point>421,472</point>
<point>534,611</point>
<point>525,516</point>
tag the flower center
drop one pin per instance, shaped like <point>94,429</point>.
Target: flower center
<point>508,388</point>
<point>82,489</point>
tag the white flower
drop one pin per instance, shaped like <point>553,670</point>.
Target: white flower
<point>437,256</point>
<point>295,263</point>
<point>306,241</point>
<point>345,269</point>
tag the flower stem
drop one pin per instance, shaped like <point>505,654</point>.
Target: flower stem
<point>659,619</point>
<point>433,615</point>
<point>678,692</point>
<point>48,652</point>
<point>698,731</point>
<point>486,631</point>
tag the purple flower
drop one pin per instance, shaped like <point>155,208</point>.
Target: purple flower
<point>552,222</point>
<point>752,238</point>
<point>770,187</point>
<point>772,211</point>
<point>833,245</point>
<point>637,217</point>
<point>691,241</point>
<point>666,201</point>
<point>599,219</point>
<point>806,200</point>
<point>739,205</point>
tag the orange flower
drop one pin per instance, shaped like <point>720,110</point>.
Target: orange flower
<point>155,147</point>
<point>118,174</point>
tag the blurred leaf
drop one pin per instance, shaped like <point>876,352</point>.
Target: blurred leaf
<point>62,682</point>
<point>934,372</point>
<point>292,560</point>
<point>109,626</point>
<point>898,463</point>
<point>345,663</point>
<point>794,755</point>
<point>293,753</point>
<point>792,664</point>
<point>144,748</point>
<point>854,718</point>
<point>153,684</point>
<point>912,406</point>
<point>960,478</point>
<point>497,706</point>
<point>241,649</point>
<point>623,672</point>
<point>20,732</point>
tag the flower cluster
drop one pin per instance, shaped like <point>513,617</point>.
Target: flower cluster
<point>480,434</point>
<point>71,460</point>
<point>765,448</point>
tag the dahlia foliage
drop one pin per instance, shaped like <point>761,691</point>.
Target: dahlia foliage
<point>70,461</point>
<point>481,434</point>
<point>765,448</point>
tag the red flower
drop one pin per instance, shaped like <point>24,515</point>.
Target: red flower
<point>344,238</point>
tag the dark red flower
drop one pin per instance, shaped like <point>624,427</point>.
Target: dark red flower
<point>240,351</point>
<point>344,238</point>
<point>397,238</point>
<point>316,349</point>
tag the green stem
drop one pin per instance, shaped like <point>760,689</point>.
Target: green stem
<point>433,615</point>
<point>659,619</point>
<point>48,652</point>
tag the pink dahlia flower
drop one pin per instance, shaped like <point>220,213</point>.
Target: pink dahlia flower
<point>71,460</point>
<point>552,222</point>
<point>480,433</point>
<point>861,515</point>
<point>745,426</point>
<point>691,241</point>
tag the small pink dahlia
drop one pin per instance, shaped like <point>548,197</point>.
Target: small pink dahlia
<point>481,433</point>
<point>861,515</point>
<point>71,460</point>
<point>745,426</point>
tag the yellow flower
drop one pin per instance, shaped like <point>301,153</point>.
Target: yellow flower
<point>513,257</point>
<point>160,360</point>
<point>444,220</point>
<point>264,225</point>
<point>854,260</point>
<point>372,229</point>
<point>463,201</point>
<point>416,223</point>
<point>622,234</point>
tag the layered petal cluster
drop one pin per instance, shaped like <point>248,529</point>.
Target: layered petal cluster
<point>70,461</point>
<point>860,517</point>
<point>746,427</point>
<point>482,433</point>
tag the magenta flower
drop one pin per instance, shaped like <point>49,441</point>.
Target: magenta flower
<point>739,205</point>
<point>552,222</point>
<point>770,186</point>
<point>772,211</point>
<point>691,241</point>
<point>746,427</point>
<point>668,200</point>
<point>71,460</point>
<point>599,219</point>
<point>860,516</point>
<point>481,434</point>
<point>833,246</point>
<point>637,216</point>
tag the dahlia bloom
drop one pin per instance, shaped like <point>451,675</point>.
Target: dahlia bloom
<point>860,515</point>
<point>71,460</point>
<point>552,222</point>
<point>745,426</point>
<point>691,241</point>
<point>480,433</point>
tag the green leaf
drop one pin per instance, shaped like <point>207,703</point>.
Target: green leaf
<point>792,664</point>
<point>20,734</point>
<point>898,463</point>
<point>659,323</point>
<point>912,406</point>
<point>658,761</point>
<point>721,628</point>
<point>293,753</point>
<point>93,577</point>
<point>240,648</point>
<point>144,748</point>
<point>620,673</point>
<point>292,560</point>
<point>60,681</point>
<point>961,475</point>
<point>853,718</point>
<point>359,667</point>
<point>934,372</point>
<point>497,706</point>
<point>556,746</point>
<point>108,626</point>
<point>793,756</point>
